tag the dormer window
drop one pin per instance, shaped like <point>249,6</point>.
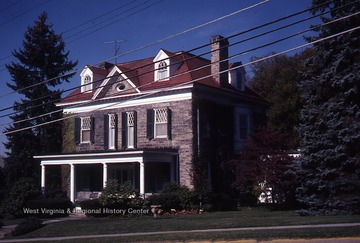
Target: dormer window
<point>87,84</point>
<point>162,71</point>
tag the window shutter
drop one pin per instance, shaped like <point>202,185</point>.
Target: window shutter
<point>124,130</point>
<point>150,124</point>
<point>135,129</point>
<point>169,123</point>
<point>106,131</point>
<point>92,130</point>
<point>116,131</point>
<point>77,130</point>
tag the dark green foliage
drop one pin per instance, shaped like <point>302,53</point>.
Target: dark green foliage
<point>30,224</point>
<point>119,196</point>
<point>176,197</point>
<point>91,207</point>
<point>329,168</point>
<point>61,207</point>
<point>222,202</point>
<point>24,189</point>
<point>277,79</point>
<point>42,58</point>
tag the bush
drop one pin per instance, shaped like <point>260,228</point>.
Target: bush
<point>23,190</point>
<point>51,207</point>
<point>27,226</point>
<point>90,207</point>
<point>176,197</point>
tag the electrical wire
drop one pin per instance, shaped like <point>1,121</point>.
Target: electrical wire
<point>140,48</point>
<point>242,32</point>
<point>192,81</point>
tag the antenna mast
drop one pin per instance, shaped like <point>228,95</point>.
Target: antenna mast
<point>116,47</point>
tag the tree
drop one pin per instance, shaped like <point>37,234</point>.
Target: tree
<point>264,160</point>
<point>42,58</point>
<point>329,167</point>
<point>277,79</point>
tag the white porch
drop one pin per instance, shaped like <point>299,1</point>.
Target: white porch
<point>148,170</point>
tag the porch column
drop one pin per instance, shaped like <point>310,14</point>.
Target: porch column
<point>72,183</point>
<point>43,180</point>
<point>142,178</point>
<point>104,174</point>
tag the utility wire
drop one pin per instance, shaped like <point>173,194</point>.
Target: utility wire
<point>140,48</point>
<point>242,32</point>
<point>192,81</point>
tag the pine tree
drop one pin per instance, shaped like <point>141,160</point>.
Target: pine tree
<point>42,58</point>
<point>330,120</point>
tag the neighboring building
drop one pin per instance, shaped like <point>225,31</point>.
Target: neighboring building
<point>150,121</point>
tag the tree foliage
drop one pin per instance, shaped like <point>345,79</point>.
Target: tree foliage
<point>265,159</point>
<point>330,120</point>
<point>41,64</point>
<point>277,79</point>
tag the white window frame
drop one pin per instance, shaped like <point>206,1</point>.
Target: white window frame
<point>130,129</point>
<point>160,119</point>
<point>87,84</point>
<point>162,71</point>
<point>85,127</point>
<point>112,131</point>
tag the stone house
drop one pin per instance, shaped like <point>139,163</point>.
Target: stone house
<point>154,120</point>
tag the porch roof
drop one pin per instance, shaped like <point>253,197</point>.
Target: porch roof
<point>128,156</point>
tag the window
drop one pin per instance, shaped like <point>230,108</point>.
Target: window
<point>159,123</point>
<point>112,131</point>
<point>85,130</point>
<point>87,85</point>
<point>161,120</point>
<point>162,72</point>
<point>129,129</point>
<point>243,126</point>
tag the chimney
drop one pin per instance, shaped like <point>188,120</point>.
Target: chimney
<point>105,65</point>
<point>219,52</point>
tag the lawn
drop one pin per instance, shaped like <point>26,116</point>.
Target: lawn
<point>248,217</point>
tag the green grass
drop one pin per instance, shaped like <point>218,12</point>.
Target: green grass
<point>248,217</point>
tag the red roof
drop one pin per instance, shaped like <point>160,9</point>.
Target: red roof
<point>141,74</point>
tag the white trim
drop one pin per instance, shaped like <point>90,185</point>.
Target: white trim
<point>109,76</point>
<point>86,155</point>
<point>92,161</point>
<point>130,103</point>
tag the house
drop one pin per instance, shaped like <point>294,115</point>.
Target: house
<point>151,121</point>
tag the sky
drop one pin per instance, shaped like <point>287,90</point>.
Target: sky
<point>93,29</point>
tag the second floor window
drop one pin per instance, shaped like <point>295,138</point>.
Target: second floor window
<point>159,123</point>
<point>129,120</point>
<point>110,131</point>
<point>244,126</point>
<point>85,130</point>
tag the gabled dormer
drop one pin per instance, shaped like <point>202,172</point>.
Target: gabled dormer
<point>91,78</point>
<point>165,65</point>
<point>87,78</point>
<point>237,76</point>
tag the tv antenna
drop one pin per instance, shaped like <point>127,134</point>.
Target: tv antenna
<point>116,47</point>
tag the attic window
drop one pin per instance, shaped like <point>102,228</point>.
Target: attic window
<point>162,71</point>
<point>87,84</point>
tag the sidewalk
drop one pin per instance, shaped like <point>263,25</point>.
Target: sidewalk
<point>332,240</point>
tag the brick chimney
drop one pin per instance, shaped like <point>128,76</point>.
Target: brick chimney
<point>219,51</point>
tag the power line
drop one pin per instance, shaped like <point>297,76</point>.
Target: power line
<point>192,81</point>
<point>140,48</point>
<point>239,33</point>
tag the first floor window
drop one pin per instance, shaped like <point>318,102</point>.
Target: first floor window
<point>85,129</point>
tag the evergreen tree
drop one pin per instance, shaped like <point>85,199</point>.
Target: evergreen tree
<point>329,168</point>
<point>42,58</point>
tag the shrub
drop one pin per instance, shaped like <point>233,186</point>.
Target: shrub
<point>23,190</point>
<point>90,207</point>
<point>30,224</point>
<point>176,197</point>
<point>222,202</point>
<point>51,207</point>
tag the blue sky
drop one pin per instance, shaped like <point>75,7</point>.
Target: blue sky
<point>87,26</point>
